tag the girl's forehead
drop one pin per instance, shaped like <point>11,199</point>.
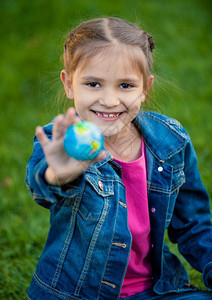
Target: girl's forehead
<point>124,59</point>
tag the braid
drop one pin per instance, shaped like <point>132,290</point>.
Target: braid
<point>151,42</point>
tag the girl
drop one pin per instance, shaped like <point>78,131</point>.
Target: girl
<point>109,216</point>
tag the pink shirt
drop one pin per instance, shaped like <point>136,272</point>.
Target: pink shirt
<point>138,277</point>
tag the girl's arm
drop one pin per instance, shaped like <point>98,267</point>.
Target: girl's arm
<point>191,225</point>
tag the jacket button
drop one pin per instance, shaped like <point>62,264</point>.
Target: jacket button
<point>153,210</point>
<point>160,169</point>
<point>100,185</point>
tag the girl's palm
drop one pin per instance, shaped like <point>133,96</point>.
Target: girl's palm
<point>60,164</point>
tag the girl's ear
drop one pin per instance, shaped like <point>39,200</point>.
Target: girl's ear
<point>65,77</point>
<point>151,81</point>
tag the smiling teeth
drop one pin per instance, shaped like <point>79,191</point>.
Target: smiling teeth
<point>107,115</point>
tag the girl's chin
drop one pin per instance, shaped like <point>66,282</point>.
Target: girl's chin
<point>111,131</point>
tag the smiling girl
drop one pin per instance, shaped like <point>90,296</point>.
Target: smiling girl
<point>109,215</point>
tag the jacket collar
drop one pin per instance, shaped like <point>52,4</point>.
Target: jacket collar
<point>161,134</point>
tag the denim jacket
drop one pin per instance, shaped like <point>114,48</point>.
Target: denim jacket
<point>88,245</point>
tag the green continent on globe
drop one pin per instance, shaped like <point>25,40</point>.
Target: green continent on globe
<point>95,145</point>
<point>82,128</point>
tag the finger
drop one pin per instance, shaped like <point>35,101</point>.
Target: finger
<point>43,139</point>
<point>77,119</point>
<point>101,156</point>
<point>57,131</point>
<point>86,163</point>
<point>70,118</point>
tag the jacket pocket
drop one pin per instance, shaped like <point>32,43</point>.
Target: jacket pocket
<point>178,178</point>
<point>93,198</point>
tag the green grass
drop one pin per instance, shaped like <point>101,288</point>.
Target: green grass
<point>32,37</point>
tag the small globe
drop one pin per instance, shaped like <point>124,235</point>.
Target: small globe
<point>83,141</point>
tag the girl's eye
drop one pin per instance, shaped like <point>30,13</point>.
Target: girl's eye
<point>93,84</point>
<point>125,85</point>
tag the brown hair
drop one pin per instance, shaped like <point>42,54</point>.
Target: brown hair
<point>94,36</point>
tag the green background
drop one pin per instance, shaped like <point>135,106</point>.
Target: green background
<point>32,34</point>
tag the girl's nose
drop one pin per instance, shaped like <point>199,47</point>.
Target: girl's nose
<point>109,99</point>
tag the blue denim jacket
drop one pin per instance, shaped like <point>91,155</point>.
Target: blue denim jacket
<point>89,242</point>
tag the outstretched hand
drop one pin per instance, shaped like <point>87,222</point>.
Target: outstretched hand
<point>61,167</point>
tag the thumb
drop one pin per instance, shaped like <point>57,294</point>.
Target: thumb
<point>101,156</point>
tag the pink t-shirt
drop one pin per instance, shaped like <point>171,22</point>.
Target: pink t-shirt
<point>138,277</point>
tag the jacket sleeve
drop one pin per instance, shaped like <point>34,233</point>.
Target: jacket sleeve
<point>44,194</point>
<point>191,225</point>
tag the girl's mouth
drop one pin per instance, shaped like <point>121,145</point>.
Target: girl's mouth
<point>107,116</point>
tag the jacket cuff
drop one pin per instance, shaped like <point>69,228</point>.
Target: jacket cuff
<point>45,194</point>
<point>207,276</point>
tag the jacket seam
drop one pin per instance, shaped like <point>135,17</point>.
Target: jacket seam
<point>92,244</point>
<point>105,179</point>
<point>176,149</point>
<point>170,191</point>
<point>153,152</point>
<point>179,168</point>
<point>177,275</point>
<point>65,246</point>
<point>38,197</point>
<point>51,289</point>
<point>60,261</point>
<point>90,219</point>
<point>164,124</point>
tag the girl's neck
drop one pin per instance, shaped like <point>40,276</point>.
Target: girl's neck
<point>125,146</point>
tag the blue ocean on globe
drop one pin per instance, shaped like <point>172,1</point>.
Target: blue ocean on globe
<point>83,141</point>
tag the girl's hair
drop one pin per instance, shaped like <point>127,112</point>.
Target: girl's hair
<point>95,36</point>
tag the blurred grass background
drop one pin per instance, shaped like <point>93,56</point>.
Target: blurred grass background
<point>32,37</point>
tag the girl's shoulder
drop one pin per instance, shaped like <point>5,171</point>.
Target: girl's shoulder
<point>163,135</point>
<point>158,117</point>
<point>160,121</point>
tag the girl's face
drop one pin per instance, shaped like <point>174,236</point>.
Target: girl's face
<point>107,91</point>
